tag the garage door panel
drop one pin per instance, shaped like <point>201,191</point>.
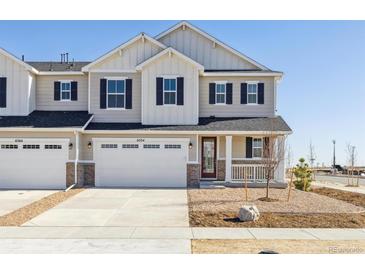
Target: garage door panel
<point>149,165</point>
<point>32,166</point>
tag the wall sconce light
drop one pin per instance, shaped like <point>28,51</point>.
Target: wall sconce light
<point>70,146</point>
<point>190,145</point>
<point>89,145</point>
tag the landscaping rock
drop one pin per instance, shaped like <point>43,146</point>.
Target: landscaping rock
<point>248,213</point>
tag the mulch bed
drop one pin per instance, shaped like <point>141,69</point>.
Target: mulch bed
<point>280,246</point>
<point>357,199</point>
<point>219,208</point>
<point>28,212</point>
<point>279,220</point>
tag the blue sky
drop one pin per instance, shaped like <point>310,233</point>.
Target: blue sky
<point>322,95</point>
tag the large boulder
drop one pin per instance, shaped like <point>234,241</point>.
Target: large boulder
<point>248,213</point>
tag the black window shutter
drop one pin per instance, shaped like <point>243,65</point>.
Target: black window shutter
<point>243,93</point>
<point>159,91</point>
<point>102,93</point>
<point>212,93</point>
<point>260,93</point>
<point>73,91</point>
<point>128,94</point>
<point>180,91</point>
<point>229,88</point>
<point>248,147</point>
<point>57,91</point>
<point>2,92</point>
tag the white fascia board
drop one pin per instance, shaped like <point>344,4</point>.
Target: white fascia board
<point>26,129</point>
<point>122,46</point>
<point>61,73</point>
<point>215,74</point>
<point>213,39</point>
<point>17,60</point>
<point>170,51</point>
<point>175,132</point>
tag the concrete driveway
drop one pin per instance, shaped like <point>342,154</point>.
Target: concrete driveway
<point>11,200</point>
<point>119,207</point>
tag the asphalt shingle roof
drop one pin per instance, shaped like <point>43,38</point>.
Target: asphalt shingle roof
<point>47,119</point>
<point>205,124</point>
<point>58,66</point>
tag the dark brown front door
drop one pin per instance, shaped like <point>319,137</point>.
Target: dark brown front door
<point>209,157</point>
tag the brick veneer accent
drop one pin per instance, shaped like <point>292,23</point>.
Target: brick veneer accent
<point>221,170</point>
<point>85,174</point>
<point>193,175</point>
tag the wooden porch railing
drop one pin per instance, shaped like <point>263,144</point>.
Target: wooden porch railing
<point>254,172</point>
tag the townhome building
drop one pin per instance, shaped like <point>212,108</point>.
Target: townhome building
<point>165,111</point>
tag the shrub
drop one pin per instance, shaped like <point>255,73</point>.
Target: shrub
<point>303,175</point>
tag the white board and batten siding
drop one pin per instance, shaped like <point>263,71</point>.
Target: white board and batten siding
<point>120,64</point>
<point>45,93</point>
<point>237,109</point>
<point>20,95</point>
<point>203,50</point>
<point>170,65</point>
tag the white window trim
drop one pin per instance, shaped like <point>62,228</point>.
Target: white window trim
<point>253,147</point>
<point>257,92</point>
<point>65,82</point>
<point>107,94</point>
<point>225,92</point>
<point>169,91</point>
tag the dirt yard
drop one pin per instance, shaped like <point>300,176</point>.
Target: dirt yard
<point>280,246</point>
<point>28,212</point>
<point>219,208</point>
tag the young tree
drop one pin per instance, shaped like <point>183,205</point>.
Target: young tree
<point>273,156</point>
<point>351,159</point>
<point>303,175</point>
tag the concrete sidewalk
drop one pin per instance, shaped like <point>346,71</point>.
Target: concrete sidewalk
<point>182,233</point>
<point>146,240</point>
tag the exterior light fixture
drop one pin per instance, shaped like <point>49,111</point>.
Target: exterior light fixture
<point>191,145</point>
<point>89,145</point>
<point>70,146</point>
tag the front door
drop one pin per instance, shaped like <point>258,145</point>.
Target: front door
<point>209,153</point>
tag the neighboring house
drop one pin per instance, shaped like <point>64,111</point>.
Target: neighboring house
<point>167,111</point>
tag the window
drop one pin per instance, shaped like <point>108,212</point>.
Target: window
<point>52,147</point>
<point>171,146</point>
<point>65,91</point>
<point>9,146</point>
<point>169,91</point>
<point>116,93</point>
<point>257,147</point>
<point>151,146</point>
<point>109,146</point>
<point>31,147</point>
<point>130,146</point>
<point>220,93</point>
<point>252,93</point>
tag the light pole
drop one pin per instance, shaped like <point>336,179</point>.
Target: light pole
<point>334,154</point>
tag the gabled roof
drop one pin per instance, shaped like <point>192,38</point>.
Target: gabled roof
<point>122,46</point>
<point>169,51</point>
<point>17,60</point>
<point>213,39</point>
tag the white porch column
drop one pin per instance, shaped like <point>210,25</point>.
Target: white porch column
<point>279,175</point>
<point>228,158</point>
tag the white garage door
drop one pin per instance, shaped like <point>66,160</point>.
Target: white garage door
<point>123,162</point>
<point>33,163</point>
